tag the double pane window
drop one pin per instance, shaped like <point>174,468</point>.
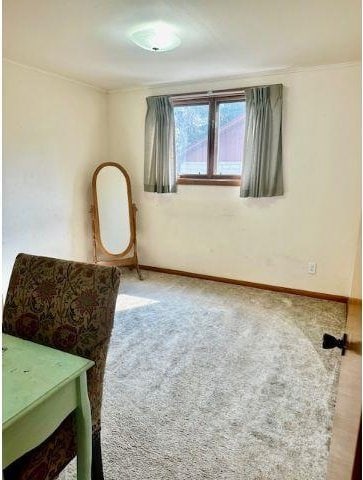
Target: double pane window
<point>209,138</point>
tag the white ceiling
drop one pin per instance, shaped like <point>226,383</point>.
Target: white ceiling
<point>88,39</point>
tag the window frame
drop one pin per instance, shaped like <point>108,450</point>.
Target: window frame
<point>213,100</point>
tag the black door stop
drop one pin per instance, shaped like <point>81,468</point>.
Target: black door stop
<point>331,342</point>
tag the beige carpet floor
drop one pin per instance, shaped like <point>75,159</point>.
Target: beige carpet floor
<point>213,381</point>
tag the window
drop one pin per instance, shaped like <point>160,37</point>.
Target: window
<point>209,137</point>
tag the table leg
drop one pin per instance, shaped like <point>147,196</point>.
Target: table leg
<point>84,430</point>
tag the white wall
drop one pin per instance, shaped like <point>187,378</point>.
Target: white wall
<point>55,133</point>
<point>210,230</point>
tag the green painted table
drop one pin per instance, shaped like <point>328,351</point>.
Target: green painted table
<point>41,386</point>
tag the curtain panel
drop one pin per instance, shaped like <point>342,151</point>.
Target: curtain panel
<point>262,159</point>
<point>159,168</point>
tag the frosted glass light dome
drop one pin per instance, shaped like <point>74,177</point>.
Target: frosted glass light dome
<point>156,38</point>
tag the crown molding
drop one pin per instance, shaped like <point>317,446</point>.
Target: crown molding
<point>54,74</point>
<point>256,74</point>
<point>185,84</point>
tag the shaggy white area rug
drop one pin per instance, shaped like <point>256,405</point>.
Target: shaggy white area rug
<point>212,381</point>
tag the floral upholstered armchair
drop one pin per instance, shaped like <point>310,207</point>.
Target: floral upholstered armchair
<point>69,306</point>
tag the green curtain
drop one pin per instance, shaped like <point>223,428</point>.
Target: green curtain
<point>262,159</point>
<point>159,168</point>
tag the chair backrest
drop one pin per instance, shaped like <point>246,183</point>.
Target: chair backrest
<point>65,305</point>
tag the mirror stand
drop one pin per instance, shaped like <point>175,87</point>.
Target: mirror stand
<point>113,218</point>
<point>129,261</point>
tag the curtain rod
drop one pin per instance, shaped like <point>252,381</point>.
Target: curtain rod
<point>208,93</point>
<point>212,93</point>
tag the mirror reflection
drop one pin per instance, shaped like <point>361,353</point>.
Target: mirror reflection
<point>113,210</point>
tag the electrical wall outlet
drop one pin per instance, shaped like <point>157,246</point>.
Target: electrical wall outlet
<point>312,268</point>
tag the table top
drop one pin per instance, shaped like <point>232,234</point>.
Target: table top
<point>33,372</point>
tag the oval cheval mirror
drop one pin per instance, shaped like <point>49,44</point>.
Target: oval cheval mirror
<point>114,217</point>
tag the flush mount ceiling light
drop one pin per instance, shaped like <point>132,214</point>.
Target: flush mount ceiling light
<point>156,38</point>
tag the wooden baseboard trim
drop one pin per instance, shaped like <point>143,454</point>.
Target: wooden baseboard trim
<point>262,286</point>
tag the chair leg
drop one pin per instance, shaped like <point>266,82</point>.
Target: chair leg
<point>97,468</point>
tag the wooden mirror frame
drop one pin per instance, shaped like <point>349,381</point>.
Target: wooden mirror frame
<point>101,254</point>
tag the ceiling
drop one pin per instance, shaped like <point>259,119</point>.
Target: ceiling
<point>88,40</point>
